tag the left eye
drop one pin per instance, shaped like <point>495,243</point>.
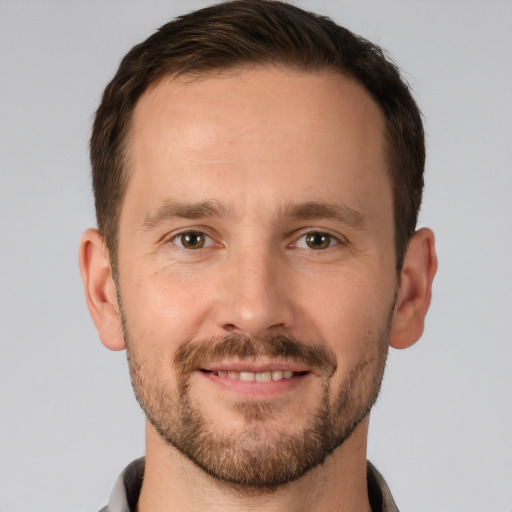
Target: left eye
<point>192,240</point>
<point>316,240</point>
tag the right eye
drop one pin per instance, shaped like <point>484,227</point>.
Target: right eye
<point>192,240</point>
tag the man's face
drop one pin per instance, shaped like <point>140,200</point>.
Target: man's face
<point>257,267</point>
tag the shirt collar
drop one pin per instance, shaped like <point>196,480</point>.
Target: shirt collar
<point>125,494</point>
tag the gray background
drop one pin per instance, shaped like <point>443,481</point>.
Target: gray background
<point>440,432</point>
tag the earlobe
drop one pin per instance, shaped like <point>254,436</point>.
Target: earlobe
<point>415,292</point>
<point>100,289</point>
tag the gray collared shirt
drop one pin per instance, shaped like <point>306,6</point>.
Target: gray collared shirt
<point>125,493</point>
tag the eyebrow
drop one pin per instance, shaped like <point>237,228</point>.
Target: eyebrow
<point>170,210</point>
<point>313,210</point>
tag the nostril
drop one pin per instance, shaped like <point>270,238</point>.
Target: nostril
<point>230,328</point>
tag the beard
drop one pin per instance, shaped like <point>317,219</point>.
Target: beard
<point>258,458</point>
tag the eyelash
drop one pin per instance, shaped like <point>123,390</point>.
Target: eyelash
<point>179,236</point>
<point>324,237</point>
<point>333,240</point>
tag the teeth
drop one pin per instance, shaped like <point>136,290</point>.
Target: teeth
<point>263,376</point>
<point>259,377</point>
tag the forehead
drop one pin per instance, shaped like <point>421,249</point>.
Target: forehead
<point>239,133</point>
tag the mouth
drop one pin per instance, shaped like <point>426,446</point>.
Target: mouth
<point>258,376</point>
<point>256,381</point>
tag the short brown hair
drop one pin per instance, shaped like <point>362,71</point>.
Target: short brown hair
<point>256,32</point>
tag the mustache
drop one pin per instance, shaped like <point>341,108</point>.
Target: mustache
<point>195,355</point>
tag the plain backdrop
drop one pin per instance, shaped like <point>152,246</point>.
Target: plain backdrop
<point>441,430</point>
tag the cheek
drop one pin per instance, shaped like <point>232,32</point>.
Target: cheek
<point>160,309</point>
<point>347,313</point>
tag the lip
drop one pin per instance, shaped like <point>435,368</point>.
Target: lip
<point>247,366</point>
<point>255,389</point>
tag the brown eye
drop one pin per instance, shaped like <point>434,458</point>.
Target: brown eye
<point>317,240</point>
<point>191,240</point>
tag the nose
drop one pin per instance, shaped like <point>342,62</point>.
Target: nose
<point>255,295</point>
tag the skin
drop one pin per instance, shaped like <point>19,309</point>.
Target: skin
<point>258,145</point>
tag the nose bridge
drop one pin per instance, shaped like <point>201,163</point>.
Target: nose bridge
<point>254,300</point>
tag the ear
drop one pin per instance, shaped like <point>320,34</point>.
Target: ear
<point>100,289</point>
<point>415,292</point>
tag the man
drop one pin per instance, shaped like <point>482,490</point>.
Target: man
<point>257,174</point>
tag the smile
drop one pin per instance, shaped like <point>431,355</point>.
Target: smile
<point>254,381</point>
<point>265,376</point>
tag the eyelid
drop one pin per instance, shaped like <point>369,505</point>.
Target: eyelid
<point>211,239</point>
<point>335,237</point>
<point>172,237</point>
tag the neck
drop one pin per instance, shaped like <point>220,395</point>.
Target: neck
<point>174,483</point>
